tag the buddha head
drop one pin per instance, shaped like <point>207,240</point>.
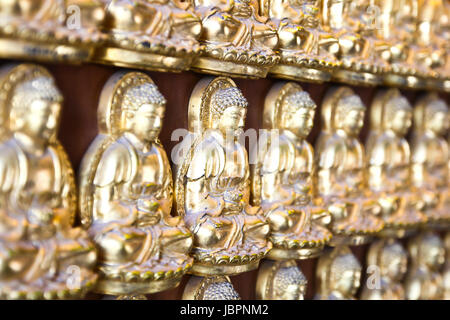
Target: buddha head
<point>220,290</point>
<point>143,111</point>
<point>427,250</point>
<point>289,283</point>
<point>35,108</point>
<point>349,114</point>
<point>229,108</point>
<point>345,274</point>
<point>398,115</point>
<point>297,114</point>
<point>210,288</point>
<point>393,261</point>
<point>436,117</point>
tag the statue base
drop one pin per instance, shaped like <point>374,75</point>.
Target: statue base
<point>207,269</point>
<point>228,68</point>
<point>357,78</point>
<point>295,254</point>
<point>44,52</point>
<point>414,82</point>
<point>395,80</point>
<point>292,72</point>
<point>117,287</point>
<point>355,240</point>
<point>142,60</point>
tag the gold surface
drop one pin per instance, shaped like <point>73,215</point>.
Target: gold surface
<point>389,164</point>
<point>282,178</point>
<point>338,275</point>
<point>126,192</point>
<point>238,42</point>
<point>39,250</point>
<point>280,280</point>
<point>43,30</point>
<point>213,185</point>
<point>153,35</point>
<point>340,182</point>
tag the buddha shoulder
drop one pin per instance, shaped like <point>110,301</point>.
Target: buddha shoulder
<point>330,151</point>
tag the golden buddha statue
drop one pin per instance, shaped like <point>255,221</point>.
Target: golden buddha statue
<point>338,275</point>
<point>282,178</point>
<point>51,30</point>
<point>340,185</point>
<point>126,192</point>
<point>213,184</point>
<point>391,259</point>
<point>41,255</point>
<point>424,280</point>
<point>389,167</point>
<point>306,51</point>
<point>238,42</point>
<point>280,280</point>
<point>442,34</point>
<point>430,154</point>
<point>210,288</point>
<point>356,63</point>
<point>158,35</point>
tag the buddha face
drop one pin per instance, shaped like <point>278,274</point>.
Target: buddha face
<point>400,121</point>
<point>38,120</point>
<point>351,121</point>
<point>437,122</point>
<point>347,282</point>
<point>299,122</point>
<point>146,121</point>
<point>289,284</point>
<point>232,118</point>
<point>395,266</point>
<point>433,256</point>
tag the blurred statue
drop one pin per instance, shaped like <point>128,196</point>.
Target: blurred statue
<point>150,34</point>
<point>338,275</point>
<point>41,255</point>
<point>391,261</point>
<point>210,288</point>
<point>424,280</point>
<point>280,280</point>
<point>430,157</point>
<point>126,192</point>
<point>51,30</point>
<point>341,184</point>
<point>238,41</point>
<point>389,167</point>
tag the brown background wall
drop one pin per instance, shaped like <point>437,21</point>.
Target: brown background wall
<point>81,87</point>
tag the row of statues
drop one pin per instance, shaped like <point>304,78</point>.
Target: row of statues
<point>227,216</point>
<point>364,42</point>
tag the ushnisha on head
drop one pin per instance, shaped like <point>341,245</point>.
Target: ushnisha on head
<point>398,115</point>
<point>289,283</point>
<point>345,274</point>
<point>436,117</point>
<point>35,108</point>
<point>297,113</point>
<point>349,114</point>
<point>229,108</point>
<point>393,261</point>
<point>221,290</point>
<point>143,111</point>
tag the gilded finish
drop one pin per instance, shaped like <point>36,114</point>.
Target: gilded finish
<point>305,49</point>
<point>238,42</point>
<point>210,288</point>
<point>341,185</point>
<point>126,192</point>
<point>389,165</point>
<point>338,275</point>
<point>391,259</point>
<point>40,252</point>
<point>49,30</point>
<point>357,64</point>
<point>430,156</point>
<point>424,280</point>
<point>149,34</point>
<point>282,178</point>
<point>213,184</point>
<point>280,280</point>
<point>443,35</point>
